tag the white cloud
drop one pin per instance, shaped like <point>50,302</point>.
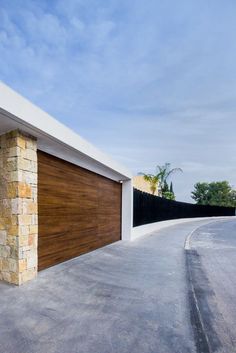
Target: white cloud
<point>148,82</point>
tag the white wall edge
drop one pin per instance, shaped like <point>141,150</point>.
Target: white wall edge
<point>140,231</point>
<point>127,210</point>
<point>54,138</point>
<point>18,112</point>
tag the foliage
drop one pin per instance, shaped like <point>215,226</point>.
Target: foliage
<point>165,188</point>
<point>159,180</point>
<point>153,181</point>
<point>164,172</point>
<point>218,193</point>
<point>168,195</point>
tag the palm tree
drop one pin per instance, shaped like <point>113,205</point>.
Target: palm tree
<point>164,172</point>
<point>153,180</point>
<point>158,181</point>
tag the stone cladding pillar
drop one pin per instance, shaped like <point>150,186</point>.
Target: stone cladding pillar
<point>18,207</point>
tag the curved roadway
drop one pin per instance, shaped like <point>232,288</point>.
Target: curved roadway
<point>125,298</point>
<point>211,264</point>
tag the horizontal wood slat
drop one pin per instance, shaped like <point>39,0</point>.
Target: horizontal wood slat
<point>79,211</point>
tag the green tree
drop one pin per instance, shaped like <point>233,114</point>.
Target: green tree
<point>218,193</point>
<point>168,195</point>
<point>159,180</point>
<point>164,172</point>
<point>167,192</point>
<point>165,188</point>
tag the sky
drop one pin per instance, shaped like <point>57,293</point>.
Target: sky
<point>147,82</point>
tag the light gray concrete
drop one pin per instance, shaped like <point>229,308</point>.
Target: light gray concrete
<point>124,298</point>
<point>212,267</point>
<point>145,229</point>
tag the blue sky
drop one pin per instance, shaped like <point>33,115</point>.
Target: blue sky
<point>148,82</point>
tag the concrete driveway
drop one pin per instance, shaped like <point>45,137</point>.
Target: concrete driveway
<point>124,298</point>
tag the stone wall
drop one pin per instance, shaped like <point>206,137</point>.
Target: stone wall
<point>18,207</point>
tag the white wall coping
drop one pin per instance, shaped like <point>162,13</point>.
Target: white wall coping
<point>15,109</point>
<point>140,231</point>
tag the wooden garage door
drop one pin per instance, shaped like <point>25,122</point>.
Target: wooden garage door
<point>79,211</point>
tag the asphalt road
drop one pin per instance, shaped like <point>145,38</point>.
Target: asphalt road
<point>211,266</point>
<point>133,297</point>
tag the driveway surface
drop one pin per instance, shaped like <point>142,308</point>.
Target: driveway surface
<point>124,298</point>
<point>212,268</point>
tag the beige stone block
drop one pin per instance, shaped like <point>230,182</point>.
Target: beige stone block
<point>24,220</point>
<point>33,240</point>
<point>12,190</point>
<point>25,164</point>
<point>3,237</point>
<point>5,251</point>
<point>22,265</point>
<point>12,220</point>
<point>10,142</point>
<point>24,230</point>
<point>34,220</point>
<point>30,177</point>
<point>31,144</point>
<point>6,203</point>
<point>5,264</point>
<point>2,224</point>
<point>30,251</point>
<point>34,193</point>
<point>14,278</point>
<point>14,252</point>
<point>30,207</point>
<point>13,230</point>
<point>29,154</point>
<point>3,190</point>
<point>12,164</point>
<point>23,240</point>
<point>27,276</point>
<point>21,142</point>
<point>6,276</point>
<point>25,249</point>
<point>13,151</point>
<point>6,211</point>
<point>15,176</point>
<point>6,215</point>
<point>24,190</point>
<point>17,206</point>
<point>32,262</point>
<point>22,254</point>
<point>13,265</point>
<point>13,241</point>
<point>33,229</point>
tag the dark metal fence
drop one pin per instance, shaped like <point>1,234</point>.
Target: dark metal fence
<point>149,208</point>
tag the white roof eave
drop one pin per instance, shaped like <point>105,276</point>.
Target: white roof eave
<point>54,137</point>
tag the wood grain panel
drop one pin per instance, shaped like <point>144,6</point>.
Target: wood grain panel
<point>79,211</point>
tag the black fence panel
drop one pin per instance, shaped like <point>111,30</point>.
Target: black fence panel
<point>149,208</point>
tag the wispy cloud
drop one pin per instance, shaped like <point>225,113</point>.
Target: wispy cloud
<point>148,82</point>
